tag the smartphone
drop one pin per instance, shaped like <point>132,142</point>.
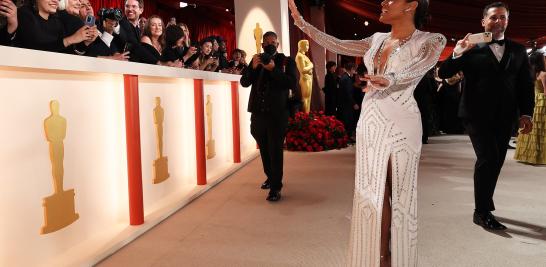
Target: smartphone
<point>484,37</point>
<point>127,47</point>
<point>90,20</point>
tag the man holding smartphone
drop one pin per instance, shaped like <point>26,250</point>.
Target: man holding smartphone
<point>498,88</point>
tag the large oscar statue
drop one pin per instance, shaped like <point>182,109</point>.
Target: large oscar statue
<point>59,210</point>
<point>211,151</point>
<point>258,32</point>
<point>161,164</point>
<point>305,67</point>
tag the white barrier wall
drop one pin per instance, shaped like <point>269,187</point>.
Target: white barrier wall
<point>92,100</point>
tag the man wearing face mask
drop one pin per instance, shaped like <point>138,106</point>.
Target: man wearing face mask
<point>271,75</point>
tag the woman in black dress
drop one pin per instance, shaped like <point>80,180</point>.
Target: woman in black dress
<point>152,38</point>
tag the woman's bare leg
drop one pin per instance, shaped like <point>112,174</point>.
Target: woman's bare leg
<point>386,221</point>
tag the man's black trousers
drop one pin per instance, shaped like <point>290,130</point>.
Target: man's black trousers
<point>269,131</point>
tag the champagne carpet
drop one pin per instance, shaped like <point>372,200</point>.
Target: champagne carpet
<point>233,224</point>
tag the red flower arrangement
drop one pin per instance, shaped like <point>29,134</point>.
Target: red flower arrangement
<point>315,132</point>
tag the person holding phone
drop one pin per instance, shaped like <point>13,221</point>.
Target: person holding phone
<point>8,9</point>
<point>69,14</point>
<point>498,88</point>
<point>36,28</point>
<point>207,61</point>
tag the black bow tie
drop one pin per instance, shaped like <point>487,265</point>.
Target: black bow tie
<point>499,42</point>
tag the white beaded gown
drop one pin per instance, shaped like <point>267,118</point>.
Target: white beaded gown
<point>389,127</point>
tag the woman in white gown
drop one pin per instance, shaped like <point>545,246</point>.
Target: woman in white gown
<point>388,142</point>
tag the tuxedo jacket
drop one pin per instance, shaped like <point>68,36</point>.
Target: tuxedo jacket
<point>493,90</point>
<point>275,85</point>
<point>131,35</point>
<point>345,100</point>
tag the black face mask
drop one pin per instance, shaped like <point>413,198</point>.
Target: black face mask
<point>270,49</point>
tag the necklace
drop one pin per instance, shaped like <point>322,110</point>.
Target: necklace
<point>399,43</point>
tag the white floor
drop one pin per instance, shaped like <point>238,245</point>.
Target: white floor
<point>233,225</point>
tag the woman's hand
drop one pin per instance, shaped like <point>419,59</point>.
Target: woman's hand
<point>9,10</point>
<point>376,82</point>
<point>81,35</point>
<point>121,56</point>
<point>463,46</point>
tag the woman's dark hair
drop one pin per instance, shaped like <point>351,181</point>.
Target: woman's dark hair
<point>330,64</point>
<point>173,33</point>
<point>537,63</point>
<point>206,40</point>
<point>421,13</point>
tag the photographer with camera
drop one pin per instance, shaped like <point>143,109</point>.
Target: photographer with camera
<point>108,44</point>
<point>271,75</point>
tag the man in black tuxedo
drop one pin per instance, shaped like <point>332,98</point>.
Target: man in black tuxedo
<point>271,75</point>
<point>130,32</point>
<point>498,88</point>
<point>346,104</point>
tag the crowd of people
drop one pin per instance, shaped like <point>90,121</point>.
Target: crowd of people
<point>438,99</point>
<point>72,27</point>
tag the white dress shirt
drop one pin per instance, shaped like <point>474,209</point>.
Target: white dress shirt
<point>498,50</point>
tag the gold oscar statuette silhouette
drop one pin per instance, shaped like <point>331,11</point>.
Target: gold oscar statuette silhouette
<point>161,164</point>
<point>305,67</point>
<point>59,210</point>
<point>258,33</point>
<point>211,151</point>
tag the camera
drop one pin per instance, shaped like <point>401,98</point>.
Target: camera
<point>265,58</point>
<point>269,51</point>
<point>110,13</point>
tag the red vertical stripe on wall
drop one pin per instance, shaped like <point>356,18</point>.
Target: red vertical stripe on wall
<point>235,122</point>
<point>134,164</point>
<point>200,155</point>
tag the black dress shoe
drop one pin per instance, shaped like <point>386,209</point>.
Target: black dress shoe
<point>274,196</point>
<point>487,221</point>
<point>266,185</point>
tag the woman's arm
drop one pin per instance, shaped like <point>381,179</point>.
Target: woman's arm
<point>426,59</point>
<point>81,35</point>
<point>356,48</point>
